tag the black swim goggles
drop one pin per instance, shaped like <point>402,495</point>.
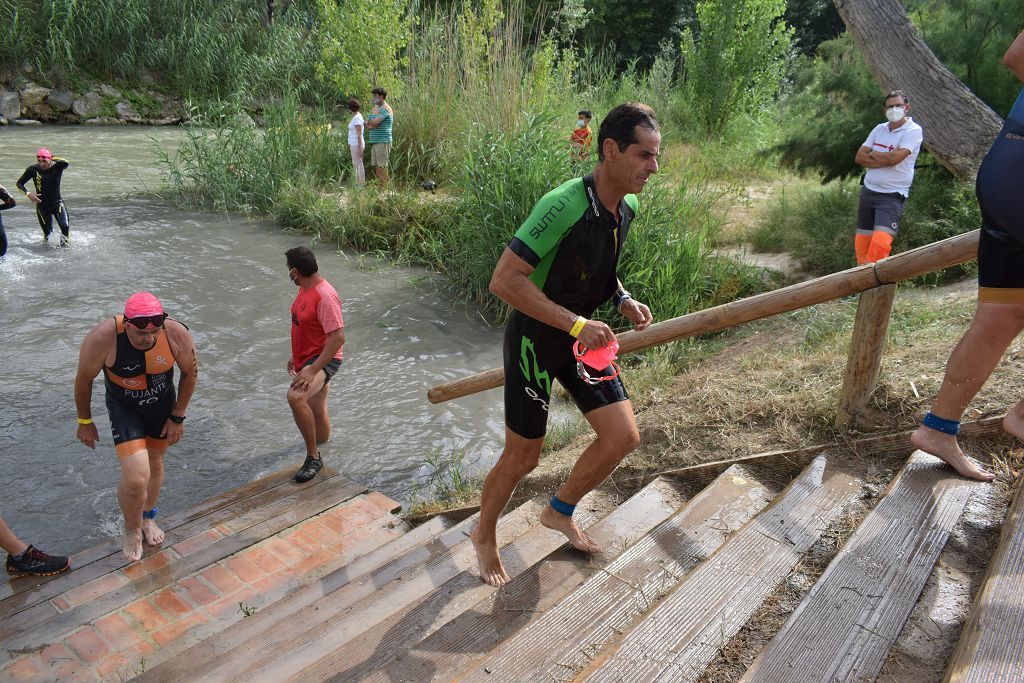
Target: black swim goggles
<point>143,321</point>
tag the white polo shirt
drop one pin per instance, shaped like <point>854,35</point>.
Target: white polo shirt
<point>899,177</point>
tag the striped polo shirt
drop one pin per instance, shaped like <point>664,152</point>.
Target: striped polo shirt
<point>381,133</point>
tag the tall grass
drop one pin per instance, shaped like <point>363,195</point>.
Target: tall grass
<point>199,47</point>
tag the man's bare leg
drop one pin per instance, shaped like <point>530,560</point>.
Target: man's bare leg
<point>303,413</point>
<point>382,175</point>
<point>993,329</point>
<point>151,533</point>
<point>131,495</point>
<point>321,418</point>
<point>617,436</point>
<point>518,458</point>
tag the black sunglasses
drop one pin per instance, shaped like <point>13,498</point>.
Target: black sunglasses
<point>144,321</point>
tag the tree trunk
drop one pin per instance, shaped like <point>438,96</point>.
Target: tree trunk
<point>958,127</point>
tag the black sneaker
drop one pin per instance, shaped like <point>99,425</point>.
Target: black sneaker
<point>309,469</point>
<point>37,563</point>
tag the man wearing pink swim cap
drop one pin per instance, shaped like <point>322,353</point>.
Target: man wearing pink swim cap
<point>46,174</point>
<point>137,352</point>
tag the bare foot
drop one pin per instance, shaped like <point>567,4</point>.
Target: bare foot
<point>559,522</point>
<point>151,532</point>
<point>945,447</point>
<point>133,545</point>
<point>491,569</point>
<point>1014,423</point>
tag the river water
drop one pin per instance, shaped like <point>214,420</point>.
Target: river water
<point>225,277</point>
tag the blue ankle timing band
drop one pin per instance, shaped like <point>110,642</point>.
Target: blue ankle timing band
<point>149,514</point>
<point>562,507</point>
<point>940,424</point>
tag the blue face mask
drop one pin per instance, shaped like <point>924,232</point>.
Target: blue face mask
<point>581,122</point>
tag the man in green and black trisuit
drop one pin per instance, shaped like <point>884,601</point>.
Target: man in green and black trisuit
<point>558,269</point>
<point>45,175</point>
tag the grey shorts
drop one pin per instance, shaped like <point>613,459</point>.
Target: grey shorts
<point>879,211</point>
<point>330,369</point>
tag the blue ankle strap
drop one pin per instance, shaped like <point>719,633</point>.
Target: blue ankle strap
<point>939,424</point>
<point>561,507</point>
<point>149,514</point>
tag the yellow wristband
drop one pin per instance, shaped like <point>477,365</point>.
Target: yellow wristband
<point>85,420</point>
<point>577,327</point>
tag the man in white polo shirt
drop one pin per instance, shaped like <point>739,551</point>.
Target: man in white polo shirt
<point>889,155</point>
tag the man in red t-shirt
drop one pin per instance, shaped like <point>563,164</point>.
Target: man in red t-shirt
<point>318,334</point>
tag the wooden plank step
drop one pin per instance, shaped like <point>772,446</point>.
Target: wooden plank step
<point>106,557</point>
<point>845,625</point>
<point>47,621</point>
<point>558,641</point>
<point>683,633</point>
<point>152,629</point>
<point>242,652</point>
<point>392,558</point>
<point>466,607</point>
<point>991,646</point>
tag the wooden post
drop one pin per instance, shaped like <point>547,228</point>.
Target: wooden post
<point>865,356</point>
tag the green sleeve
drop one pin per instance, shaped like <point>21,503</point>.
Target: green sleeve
<point>552,217</point>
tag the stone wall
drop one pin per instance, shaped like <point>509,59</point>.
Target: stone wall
<point>33,104</point>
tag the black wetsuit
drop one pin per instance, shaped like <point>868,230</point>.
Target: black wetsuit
<point>1000,190</point>
<point>573,244</point>
<point>139,389</point>
<point>6,202</point>
<point>47,184</point>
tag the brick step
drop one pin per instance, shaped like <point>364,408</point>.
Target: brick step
<point>18,593</point>
<point>166,594</point>
<point>361,601</point>
<point>561,639</point>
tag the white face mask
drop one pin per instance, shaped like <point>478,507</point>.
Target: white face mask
<point>580,122</point>
<point>895,114</point>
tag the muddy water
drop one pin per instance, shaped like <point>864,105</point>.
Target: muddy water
<point>225,277</point>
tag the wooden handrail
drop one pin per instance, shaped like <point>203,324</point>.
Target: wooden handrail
<point>903,266</point>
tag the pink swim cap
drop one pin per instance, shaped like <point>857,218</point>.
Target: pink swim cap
<point>45,153</point>
<point>142,303</point>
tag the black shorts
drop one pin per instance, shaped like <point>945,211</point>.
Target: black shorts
<point>535,355</point>
<point>1000,189</point>
<point>879,211</point>
<point>331,369</point>
<point>131,423</point>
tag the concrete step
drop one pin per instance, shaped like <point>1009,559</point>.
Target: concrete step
<point>684,632</point>
<point>467,615</point>
<point>991,646</point>
<point>845,625</point>
<point>561,640</point>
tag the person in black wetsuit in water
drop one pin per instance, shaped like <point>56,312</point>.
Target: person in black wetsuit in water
<point>6,202</point>
<point>45,174</point>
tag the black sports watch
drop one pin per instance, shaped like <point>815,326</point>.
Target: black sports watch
<point>176,419</point>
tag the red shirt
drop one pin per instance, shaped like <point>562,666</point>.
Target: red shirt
<point>316,313</point>
<point>582,138</point>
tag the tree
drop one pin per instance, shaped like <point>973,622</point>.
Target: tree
<point>735,58</point>
<point>958,127</point>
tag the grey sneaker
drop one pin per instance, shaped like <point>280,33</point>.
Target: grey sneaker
<point>309,469</point>
<point>36,563</point>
